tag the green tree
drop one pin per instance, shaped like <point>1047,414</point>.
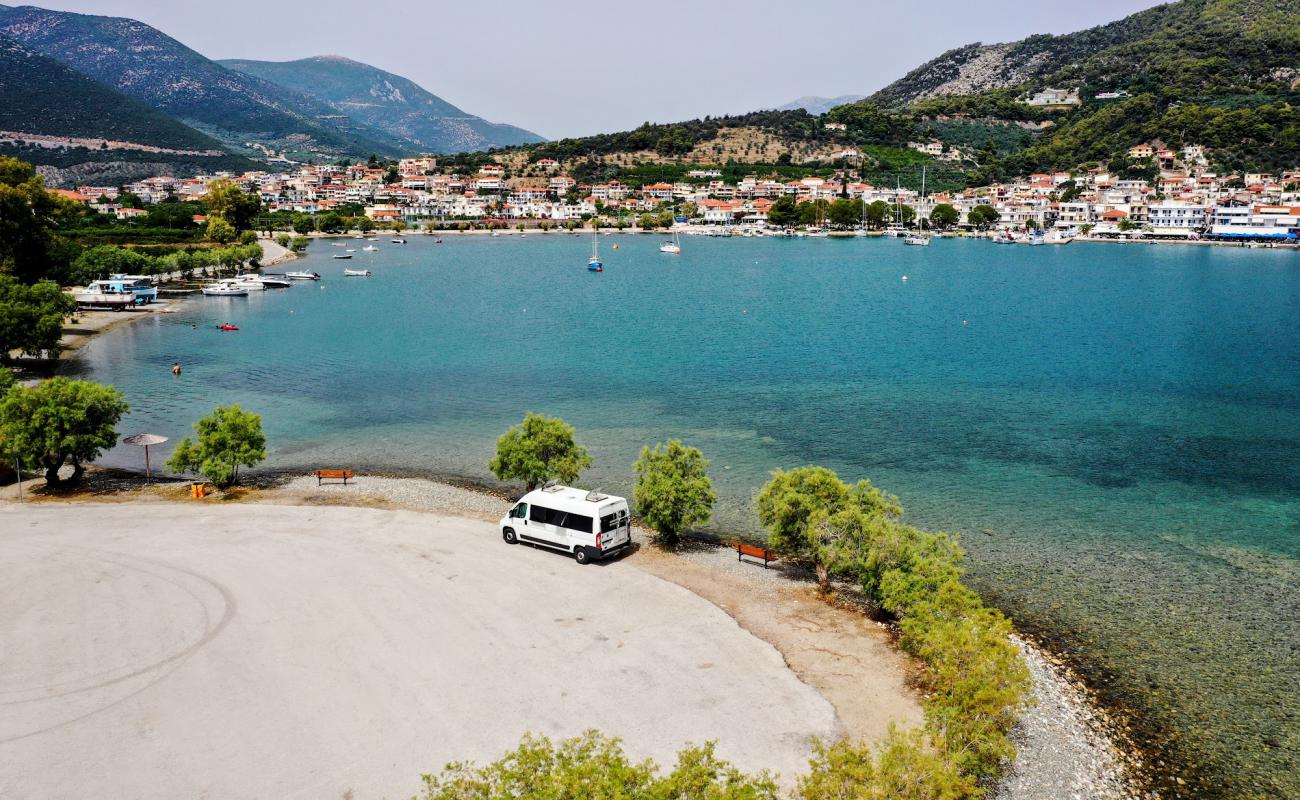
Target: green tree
<point>237,207</point>
<point>982,216</point>
<point>31,317</point>
<point>178,216</point>
<point>228,439</point>
<point>329,222</point>
<point>784,212</point>
<point>303,224</point>
<point>103,260</point>
<point>846,213</point>
<point>539,449</point>
<point>219,230</point>
<point>299,244</point>
<point>364,224</point>
<point>877,212</point>
<point>60,422</point>
<point>907,214</point>
<point>31,248</point>
<point>673,491</point>
<point>813,516</point>
<point>130,200</point>
<point>284,240</point>
<point>944,215</point>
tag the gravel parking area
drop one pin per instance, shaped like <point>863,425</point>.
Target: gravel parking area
<point>174,650</point>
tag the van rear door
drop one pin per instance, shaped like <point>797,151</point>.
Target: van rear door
<point>615,527</point>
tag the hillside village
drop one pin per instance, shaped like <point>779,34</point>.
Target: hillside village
<point>1186,200</point>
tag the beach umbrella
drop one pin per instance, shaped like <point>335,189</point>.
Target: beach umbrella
<point>145,440</point>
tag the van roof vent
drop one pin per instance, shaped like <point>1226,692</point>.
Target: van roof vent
<point>594,496</point>
<point>552,486</point>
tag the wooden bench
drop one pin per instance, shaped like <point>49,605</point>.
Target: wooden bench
<point>333,475</point>
<point>758,553</point>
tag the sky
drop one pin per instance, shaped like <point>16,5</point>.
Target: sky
<point>578,67</point>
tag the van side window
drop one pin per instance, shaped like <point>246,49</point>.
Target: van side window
<point>577,522</point>
<point>542,515</point>
<point>520,511</point>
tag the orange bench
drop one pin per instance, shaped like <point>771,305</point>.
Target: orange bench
<point>333,475</point>
<point>742,550</point>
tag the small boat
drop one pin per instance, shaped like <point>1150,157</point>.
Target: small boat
<point>302,276</point>
<point>397,241</point>
<point>270,282</point>
<point>370,248</point>
<point>225,290</point>
<point>372,240</point>
<point>917,239</point>
<point>673,248</point>
<point>343,255</point>
<point>594,264</point>
<point>249,282</point>
<point>357,273</point>
<point>438,240</point>
<point>340,244</point>
<point>227,327</point>
<point>350,250</point>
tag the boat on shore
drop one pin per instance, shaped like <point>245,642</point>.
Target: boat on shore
<point>302,276</point>
<point>117,292</point>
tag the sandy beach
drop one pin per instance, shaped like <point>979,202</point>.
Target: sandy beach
<point>835,671</point>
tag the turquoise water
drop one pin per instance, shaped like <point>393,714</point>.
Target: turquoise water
<point>1113,430</point>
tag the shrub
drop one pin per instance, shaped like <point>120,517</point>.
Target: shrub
<point>60,422</point>
<point>673,491</point>
<point>228,439</point>
<point>594,767</point>
<point>812,515</point>
<point>906,766</point>
<point>537,450</point>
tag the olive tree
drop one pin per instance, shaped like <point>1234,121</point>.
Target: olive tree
<point>60,422</point>
<point>813,516</point>
<point>537,450</point>
<point>673,491</point>
<point>228,438</point>
<point>31,317</point>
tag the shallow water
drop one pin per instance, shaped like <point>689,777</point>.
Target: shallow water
<point>1114,430</point>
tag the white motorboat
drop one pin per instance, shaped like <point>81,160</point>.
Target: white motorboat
<point>343,255</point>
<point>249,282</point>
<point>357,273</point>
<point>302,276</point>
<point>397,241</point>
<point>370,248</point>
<point>225,290</point>
<point>273,282</point>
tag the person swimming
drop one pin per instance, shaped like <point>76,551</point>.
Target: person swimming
<point>176,367</point>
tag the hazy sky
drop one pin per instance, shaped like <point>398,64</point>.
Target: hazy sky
<point>579,67</point>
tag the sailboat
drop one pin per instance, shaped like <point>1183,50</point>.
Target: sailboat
<point>919,238</point>
<point>896,228</point>
<point>594,263</point>
<point>672,248</point>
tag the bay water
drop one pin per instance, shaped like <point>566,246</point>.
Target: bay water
<point>1113,430</point>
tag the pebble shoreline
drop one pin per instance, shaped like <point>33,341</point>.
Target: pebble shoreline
<point>1063,751</point>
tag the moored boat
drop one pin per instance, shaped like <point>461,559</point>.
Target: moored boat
<point>357,273</point>
<point>224,290</point>
<point>302,276</point>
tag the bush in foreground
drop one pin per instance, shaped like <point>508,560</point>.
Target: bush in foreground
<point>539,449</point>
<point>228,439</point>
<point>594,767</point>
<point>673,491</point>
<point>60,422</point>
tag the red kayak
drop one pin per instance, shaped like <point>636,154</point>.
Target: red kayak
<point>227,327</point>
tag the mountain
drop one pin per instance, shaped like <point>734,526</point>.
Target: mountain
<point>53,116</point>
<point>383,101</point>
<point>154,68</point>
<point>819,105</point>
<point>1200,46</point>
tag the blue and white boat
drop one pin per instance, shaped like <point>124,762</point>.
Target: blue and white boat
<point>594,263</point>
<point>119,291</point>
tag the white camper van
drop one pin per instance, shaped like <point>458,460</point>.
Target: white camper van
<point>590,525</point>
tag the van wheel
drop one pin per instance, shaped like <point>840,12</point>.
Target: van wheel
<point>509,535</point>
<point>582,556</point>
